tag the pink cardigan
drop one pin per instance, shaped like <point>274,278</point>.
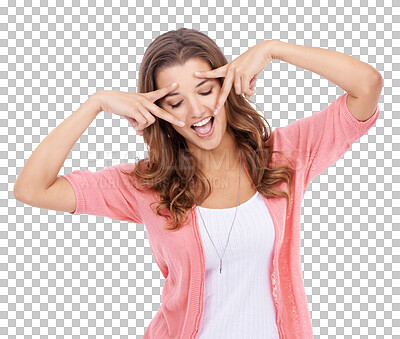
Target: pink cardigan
<point>313,144</point>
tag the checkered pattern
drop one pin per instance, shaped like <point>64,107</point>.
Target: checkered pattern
<point>65,276</point>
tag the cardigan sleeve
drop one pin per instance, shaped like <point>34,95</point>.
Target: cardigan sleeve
<point>106,193</point>
<point>315,143</point>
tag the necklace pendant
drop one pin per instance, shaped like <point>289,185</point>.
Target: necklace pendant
<point>220,265</point>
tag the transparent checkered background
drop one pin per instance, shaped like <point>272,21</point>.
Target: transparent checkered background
<point>65,276</point>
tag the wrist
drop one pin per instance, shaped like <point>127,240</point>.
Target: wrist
<point>272,49</point>
<point>95,101</point>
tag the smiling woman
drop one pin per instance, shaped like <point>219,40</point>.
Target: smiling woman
<point>192,102</point>
<point>260,293</point>
<point>199,164</point>
<point>182,155</point>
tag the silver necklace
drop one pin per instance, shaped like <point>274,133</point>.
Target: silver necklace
<point>220,259</point>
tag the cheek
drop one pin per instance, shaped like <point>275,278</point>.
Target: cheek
<point>178,129</point>
<point>181,115</point>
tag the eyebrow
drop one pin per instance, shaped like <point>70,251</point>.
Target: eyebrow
<point>176,93</point>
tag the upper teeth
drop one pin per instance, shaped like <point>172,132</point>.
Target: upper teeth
<point>203,122</point>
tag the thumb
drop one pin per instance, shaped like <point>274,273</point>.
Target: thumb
<point>215,73</point>
<point>159,93</point>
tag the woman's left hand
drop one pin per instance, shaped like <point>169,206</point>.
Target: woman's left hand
<point>242,71</point>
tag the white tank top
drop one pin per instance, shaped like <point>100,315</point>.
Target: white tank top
<point>238,302</point>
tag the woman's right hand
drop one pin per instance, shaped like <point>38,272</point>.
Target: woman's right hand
<point>137,108</point>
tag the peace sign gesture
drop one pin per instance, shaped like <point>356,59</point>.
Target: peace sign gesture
<point>138,108</point>
<point>242,72</point>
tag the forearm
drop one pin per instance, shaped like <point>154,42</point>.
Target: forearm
<point>350,74</point>
<point>43,166</point>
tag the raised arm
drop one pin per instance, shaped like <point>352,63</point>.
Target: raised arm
<point>37,184</point>
<point>103,193</point>
<point>361,81</point>
<point>318,141</point>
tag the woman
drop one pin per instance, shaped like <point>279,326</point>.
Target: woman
<point>227,194</point>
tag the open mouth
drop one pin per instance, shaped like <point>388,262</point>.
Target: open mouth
<point>205,130</point>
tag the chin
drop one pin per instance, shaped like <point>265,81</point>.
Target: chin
<point>209,146</point>
<point>205,145</point>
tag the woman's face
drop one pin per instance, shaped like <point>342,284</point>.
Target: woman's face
<point>192,101</point>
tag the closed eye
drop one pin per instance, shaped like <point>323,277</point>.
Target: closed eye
<point>179,103</point>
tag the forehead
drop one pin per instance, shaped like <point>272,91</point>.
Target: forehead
<point>181,73</point>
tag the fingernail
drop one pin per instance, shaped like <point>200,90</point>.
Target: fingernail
<point>174,84</point>
<point>196,73</point>
<point>216,111</point>
<point>181,123</point>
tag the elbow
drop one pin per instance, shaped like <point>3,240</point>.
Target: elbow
<point>371,86</point>
<point>20,195</point>
<point>17,193</point>
<point>375,83</point>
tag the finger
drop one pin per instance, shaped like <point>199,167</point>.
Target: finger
<point>238,84</point>
<point>139,131</point>
<point>140,127</point>
<point>132,122</point>
<point>250,92</point>
<point>226,88</point>
<point>215,73</point>
<point>148,116</point>
<point>160,93</point>
<point>253,91</point>
<point>245,85</point>
<point>135,125</point>
<point>253,82</point>
<point>149,119</point>
<point>159,112</point>
<point>140,117</point>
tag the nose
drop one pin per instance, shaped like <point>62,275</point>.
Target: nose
<point>196,107</point>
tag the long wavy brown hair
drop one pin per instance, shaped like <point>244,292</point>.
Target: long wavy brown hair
<point>170,169</point>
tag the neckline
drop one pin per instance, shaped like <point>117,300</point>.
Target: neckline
<point>229,208</point>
